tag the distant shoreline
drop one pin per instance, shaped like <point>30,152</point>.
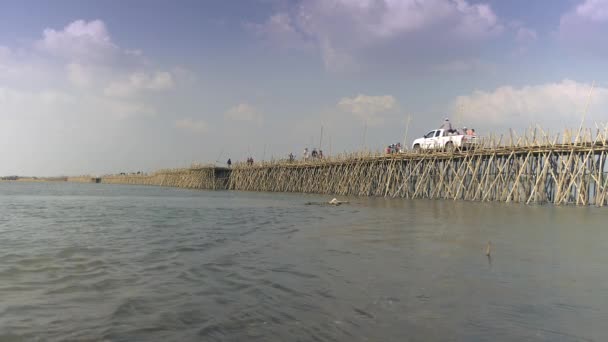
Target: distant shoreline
<point>34,179</point>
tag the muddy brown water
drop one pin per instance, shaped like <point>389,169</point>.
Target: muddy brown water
<point>94,262</point>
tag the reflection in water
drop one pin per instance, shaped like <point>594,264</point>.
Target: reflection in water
<point>489,253</point>
<point>120,263</point>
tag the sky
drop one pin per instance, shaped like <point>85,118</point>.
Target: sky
<point>97,87</point>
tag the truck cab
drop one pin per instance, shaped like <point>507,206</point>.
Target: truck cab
<point>431,139</point>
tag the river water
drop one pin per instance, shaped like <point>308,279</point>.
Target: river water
<point>94,262</point>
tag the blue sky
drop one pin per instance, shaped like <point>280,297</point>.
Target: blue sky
<point>98,87</point>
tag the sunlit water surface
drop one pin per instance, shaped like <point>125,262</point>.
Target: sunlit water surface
<point>91,262</point>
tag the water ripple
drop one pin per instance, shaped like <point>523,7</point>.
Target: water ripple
<point>110,263</point>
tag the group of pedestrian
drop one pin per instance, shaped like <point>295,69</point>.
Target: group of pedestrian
<point>317,154</point>
<point>468,131</point>
<point>314,154</point>
<point>393,148</point>
<point>447,126</point>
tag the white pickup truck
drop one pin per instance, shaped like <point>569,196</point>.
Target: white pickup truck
<point>440,139</point>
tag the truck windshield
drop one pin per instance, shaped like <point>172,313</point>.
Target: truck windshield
<point>430,134</point>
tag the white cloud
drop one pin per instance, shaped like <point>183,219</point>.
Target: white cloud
<point>87,62</point>
<point>139,81</point>
<point>73,89</point>
<point>195,126</point>
<point>96,63</point>
<point>595,10</point>
<point>344,30</point>
<point>390,18</point>
<point>243,112</point>
<point>16,104</point>
<point>80,40</point>
<point>56,104</point>
<point>162,80</point>
<point>5,52</point>
<point>78,75</point>
<point>369,109</point>
<point>583,28</point>
<point>335,59</point>
<point>10,66</point>
<point>124,109</point>
<point>281,30</point>
<point>526,35</point>
<point>553,104</point>
<point>524,38</point>
<point>22,104</point>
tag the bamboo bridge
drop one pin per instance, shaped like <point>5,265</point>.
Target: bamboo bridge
<point>195,177</point>
<point>528,169</point>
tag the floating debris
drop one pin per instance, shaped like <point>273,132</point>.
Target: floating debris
<point>334,202</point>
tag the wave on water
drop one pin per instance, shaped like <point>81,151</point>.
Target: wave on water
<point>88,262</point>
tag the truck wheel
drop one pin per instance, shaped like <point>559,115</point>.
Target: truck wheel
<point>449,147</point>
<point>417,148</point>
